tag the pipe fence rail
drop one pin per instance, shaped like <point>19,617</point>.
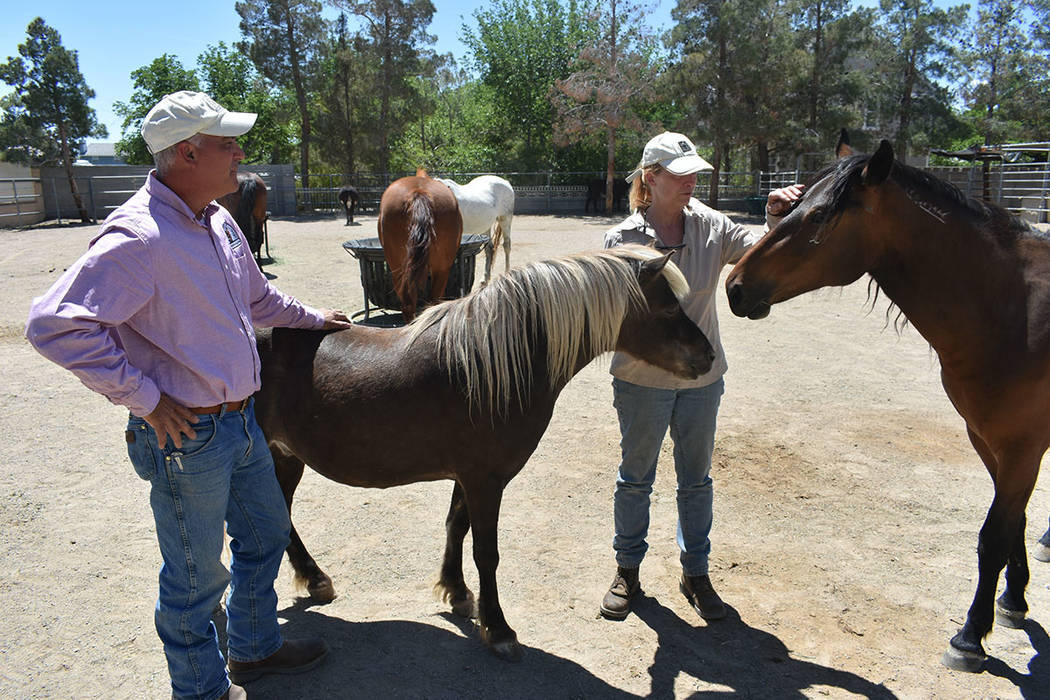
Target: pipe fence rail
<point>1022,188</point>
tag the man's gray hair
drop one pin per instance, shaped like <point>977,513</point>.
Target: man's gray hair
<point>163,160</point>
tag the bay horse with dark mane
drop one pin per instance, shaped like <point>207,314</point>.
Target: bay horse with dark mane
<point>420,228</point>
<point>247,204</point>
<point>464,393</point>
<point>975,282</point>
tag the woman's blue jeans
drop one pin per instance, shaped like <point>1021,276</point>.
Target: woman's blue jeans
<point>224,475</point>
<point>645,414</point>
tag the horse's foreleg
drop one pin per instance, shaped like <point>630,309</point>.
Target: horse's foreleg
<point>483,499</point>
<point>308,574</point>
<point>451,586</point>
<point>1013,472</point>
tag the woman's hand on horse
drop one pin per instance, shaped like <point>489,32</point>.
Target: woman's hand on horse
<point>334,319</point>
<point>780,201</point>
<point>171,419</point>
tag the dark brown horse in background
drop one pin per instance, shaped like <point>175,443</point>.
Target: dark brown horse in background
<point>247,204</point>
<point>420,228</point>
<point>348,197</point>
<point>464,393</point>
<point>975,282</point>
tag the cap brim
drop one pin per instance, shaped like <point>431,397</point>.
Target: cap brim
<point>685,165</point>
<point>231,124</point>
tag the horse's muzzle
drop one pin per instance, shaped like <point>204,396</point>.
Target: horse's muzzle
<point>744,302</point>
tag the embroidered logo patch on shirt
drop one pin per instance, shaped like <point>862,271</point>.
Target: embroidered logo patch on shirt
<point>231,235</point>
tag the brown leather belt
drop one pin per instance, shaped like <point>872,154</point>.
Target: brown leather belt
<point>229,406</point>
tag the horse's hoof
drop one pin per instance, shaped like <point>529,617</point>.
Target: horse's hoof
<point>1041,552</point>
<point>508,650</point>
<point>1014,619</point>
<point>959,660</point>
<point>322,592</point>
<point>465,607</point>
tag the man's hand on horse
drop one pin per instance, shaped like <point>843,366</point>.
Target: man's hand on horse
<point>780,201</point>
<point>170,419</point>
<point>334,318</point>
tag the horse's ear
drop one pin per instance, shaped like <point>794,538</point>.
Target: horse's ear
<point>421,172</point>
<point>843,149</point>
<point>652,268</point>
<point>879,165</point>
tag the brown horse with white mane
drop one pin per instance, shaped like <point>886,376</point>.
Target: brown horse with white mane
<point>464,393</point>
<point>975,282</point>
<point>420,228</point>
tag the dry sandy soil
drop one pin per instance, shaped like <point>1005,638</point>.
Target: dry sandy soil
<point>848,503</point>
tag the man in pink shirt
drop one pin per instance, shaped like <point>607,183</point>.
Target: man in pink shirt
<point>158,316</point>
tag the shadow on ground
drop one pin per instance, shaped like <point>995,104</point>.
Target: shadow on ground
<point>397,658</point>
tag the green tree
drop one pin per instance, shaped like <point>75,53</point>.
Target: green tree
<point>284,39</point>
<point>230,78</point>
<point>520,47</point>
<point>397,44</point>
<point>920,36</point>
<point>50,106</point>
<point>343,99</point>
<point>163,76</point>
<point>614,79</point>
<point>1004,74</point>
<point>727,53</point>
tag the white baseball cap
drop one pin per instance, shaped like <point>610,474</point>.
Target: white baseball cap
<point>674,152</point>
<point>180,115</point>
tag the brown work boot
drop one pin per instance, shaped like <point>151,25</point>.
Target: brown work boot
<point>617,602</point>
<point>701,594</point>
<point>294,656</point>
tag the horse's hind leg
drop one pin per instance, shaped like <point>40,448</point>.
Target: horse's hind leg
<point>451,586</point>
<point>483,499</point>
<point>289,470</point>
<point>1011,607</point>
<point>505,225</point>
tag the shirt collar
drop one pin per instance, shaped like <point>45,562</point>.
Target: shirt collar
<point>157,190</point>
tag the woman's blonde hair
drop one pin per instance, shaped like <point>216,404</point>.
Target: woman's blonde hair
<point>640,196</point>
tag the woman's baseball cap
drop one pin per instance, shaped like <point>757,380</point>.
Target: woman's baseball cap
<point>182,114</point>
<point>674,152</point>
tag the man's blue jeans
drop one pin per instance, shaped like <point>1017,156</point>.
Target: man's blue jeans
<point>225,474</point>
<point>645,414</point>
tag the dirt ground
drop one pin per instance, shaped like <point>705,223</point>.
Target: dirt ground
<point>848,503</point>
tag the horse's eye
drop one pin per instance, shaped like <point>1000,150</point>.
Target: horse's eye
<point>817,215</point>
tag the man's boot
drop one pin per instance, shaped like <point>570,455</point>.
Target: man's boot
<point>701,594</point>
<point>617,602</point>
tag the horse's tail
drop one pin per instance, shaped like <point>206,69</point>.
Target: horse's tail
<point>421,233</point>
<point>244,216</point>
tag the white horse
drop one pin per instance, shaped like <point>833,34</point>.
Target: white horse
<point>487,206</point>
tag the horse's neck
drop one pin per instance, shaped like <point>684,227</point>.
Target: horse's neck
<point>940,271</point>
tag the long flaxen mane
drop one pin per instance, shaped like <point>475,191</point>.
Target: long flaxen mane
<point>568,306</point>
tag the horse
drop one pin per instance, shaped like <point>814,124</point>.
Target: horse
<point>465,393</point>
<point>247,204</point>
<point>975,282</point>
<point>348,198</point>
<point>596,193</point>
<point>487,206</point>
<point>420,228</point>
